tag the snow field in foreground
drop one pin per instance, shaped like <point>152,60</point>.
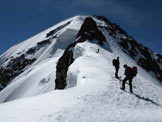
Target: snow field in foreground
<point>95,97</point>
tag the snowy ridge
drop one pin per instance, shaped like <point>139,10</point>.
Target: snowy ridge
<point>92,94</point>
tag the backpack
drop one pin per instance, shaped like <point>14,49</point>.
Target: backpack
<point>113,62</point>
<point>134,71</point>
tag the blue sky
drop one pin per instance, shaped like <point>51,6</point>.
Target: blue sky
<point>21,19</point>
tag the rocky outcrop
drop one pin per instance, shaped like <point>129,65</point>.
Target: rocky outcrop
<point>90,31</point>
<point>38,46</point>
<point>62,67</point>
<point>14,67</point>
<point>52,32</point>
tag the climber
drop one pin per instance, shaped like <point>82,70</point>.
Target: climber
<point>98,50</point>
<point>130,73</point>
<point>116,64</point>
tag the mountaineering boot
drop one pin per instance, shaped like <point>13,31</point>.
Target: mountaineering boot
<point>131,91</point>
<point>122,88</point>
<point>116,76</point>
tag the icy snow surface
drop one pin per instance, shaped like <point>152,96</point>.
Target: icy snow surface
<point>92,93</point>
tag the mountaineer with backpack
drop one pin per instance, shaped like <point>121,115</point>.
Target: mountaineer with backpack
<point>116,64</point>
<point>130,73</point>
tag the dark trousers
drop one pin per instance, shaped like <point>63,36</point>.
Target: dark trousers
<point>117,70</point>
<point>130,83</point>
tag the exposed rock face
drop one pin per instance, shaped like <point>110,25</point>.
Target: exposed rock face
<point>51,33</point>
<point>38,46</point>
<point>142,55</point>
<point>62,67</point>
<point>16,65</point>
<point>13,69</point>
<point>88,31</point>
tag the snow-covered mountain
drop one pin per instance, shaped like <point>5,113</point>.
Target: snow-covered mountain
<point>76,56</point>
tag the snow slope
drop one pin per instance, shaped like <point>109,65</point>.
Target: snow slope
<point>92,93</point>
<point>39,78</point>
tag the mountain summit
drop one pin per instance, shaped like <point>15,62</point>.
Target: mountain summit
<point>72,63</point>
